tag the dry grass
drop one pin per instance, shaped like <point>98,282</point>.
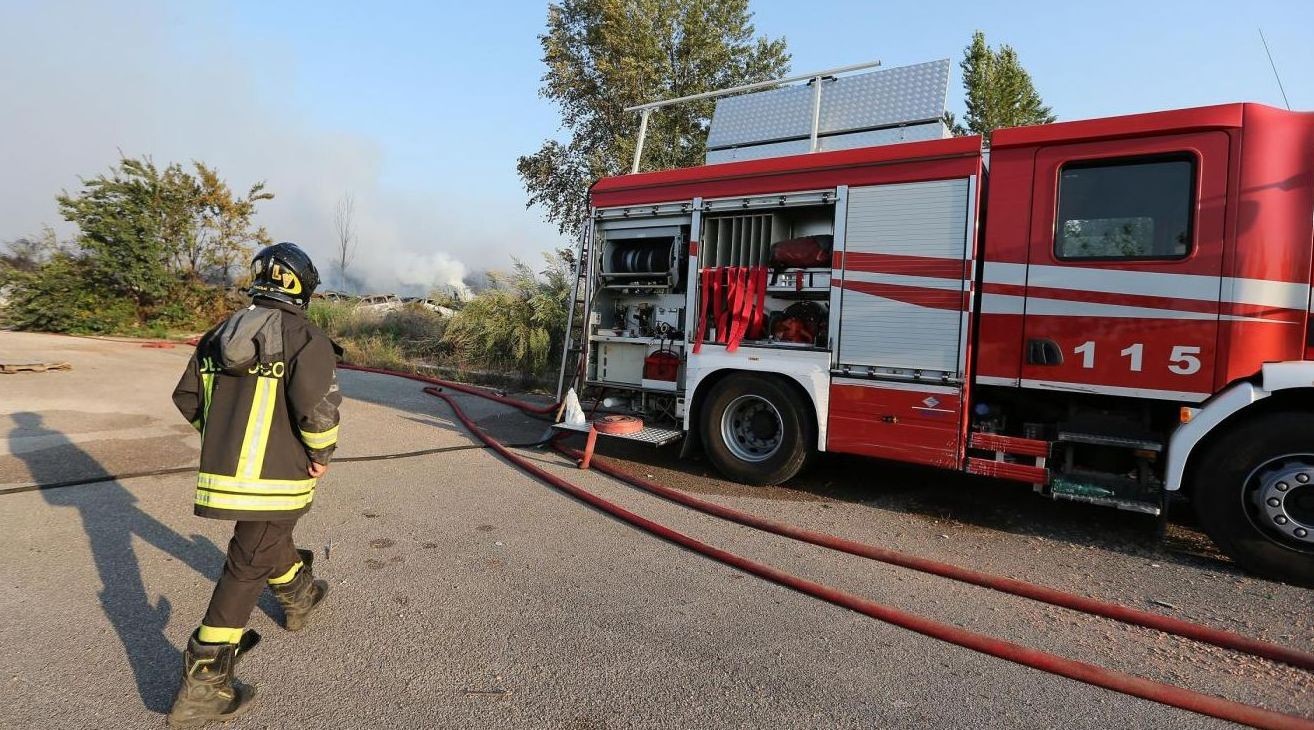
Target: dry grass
<point>400,339</point>
<point>413,338</point>
<point>376,352</point>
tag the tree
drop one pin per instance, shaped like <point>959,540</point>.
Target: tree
<point>149,241</point>
<point>344,224</point>
<point>223,223</point>
<point>142,227</point>
<point>132,223</point>
<point>999,92</point>
<point>605,55</point>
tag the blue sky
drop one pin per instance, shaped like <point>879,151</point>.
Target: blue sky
<point>420,109</point>
<point>456,83</point>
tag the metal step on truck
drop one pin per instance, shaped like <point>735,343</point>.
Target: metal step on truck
<point>1111,310</point>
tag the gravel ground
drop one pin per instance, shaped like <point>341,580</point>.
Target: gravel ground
<point>468,595</point>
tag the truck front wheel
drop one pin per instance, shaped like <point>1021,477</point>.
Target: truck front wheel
<point>756,429</point>
<point>1254,496</point>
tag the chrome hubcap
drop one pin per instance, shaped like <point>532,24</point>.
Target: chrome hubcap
<point>1282,494</point>
<point>751,428</point>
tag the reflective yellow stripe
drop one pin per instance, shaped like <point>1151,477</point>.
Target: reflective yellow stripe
<point>218,635</point>
<point>253,502</point>
<point>321,440</point>
<point>253,486</point>
<point>286,577</point>
<point>207,380</point>
<point>245,466</point>
<point>258,424</point>
<point>267,420</point>
<point>197,424</point>
<point>260,495</point>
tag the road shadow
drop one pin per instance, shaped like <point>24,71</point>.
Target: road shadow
<point>952,500</point>
<point>408,397</point>
<point>111,519</point>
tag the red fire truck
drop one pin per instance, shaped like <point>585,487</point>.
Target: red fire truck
<point>1113,311</point>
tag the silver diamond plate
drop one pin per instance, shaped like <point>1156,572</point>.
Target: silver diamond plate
<point>882,98</point>
<point>654,435</point>
<point>651,435</point>
<point>778,119</point>
<point>762,116</point>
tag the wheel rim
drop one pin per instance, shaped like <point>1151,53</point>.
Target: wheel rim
<point>752,428</point>
<point>1279,500</point>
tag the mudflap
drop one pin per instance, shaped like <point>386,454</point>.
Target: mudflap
<point>691,446</point>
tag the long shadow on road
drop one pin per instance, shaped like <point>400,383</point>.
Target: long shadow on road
<point>111,519</point>
<point>921,493</point>
<point>930,494</point>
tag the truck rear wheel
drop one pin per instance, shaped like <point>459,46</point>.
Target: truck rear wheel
<point>1254,496</point>
<point>756,429</point>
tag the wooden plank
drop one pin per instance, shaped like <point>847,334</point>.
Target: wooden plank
<point>34,367</point>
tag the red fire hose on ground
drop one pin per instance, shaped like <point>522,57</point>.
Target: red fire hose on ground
<point>1084,604</point>
<point>1172,695</point>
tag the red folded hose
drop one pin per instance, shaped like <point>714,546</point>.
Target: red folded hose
<point>618,425</point>
<point>1167,694</point>
<point>1126,614</point>
<point>704,286</point>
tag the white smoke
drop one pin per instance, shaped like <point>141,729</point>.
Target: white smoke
<point>84,81</point>
<point>422,273</point>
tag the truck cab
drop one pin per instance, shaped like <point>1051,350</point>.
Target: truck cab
<point>1145,300</point>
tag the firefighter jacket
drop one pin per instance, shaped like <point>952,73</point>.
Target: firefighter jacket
<point>262,389</point>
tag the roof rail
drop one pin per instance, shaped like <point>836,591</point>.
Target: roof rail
<point>646,109</point>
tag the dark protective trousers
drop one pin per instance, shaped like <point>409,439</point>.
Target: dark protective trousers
<point>258,552</point>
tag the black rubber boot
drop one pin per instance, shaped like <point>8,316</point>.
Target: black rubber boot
<point>300,595</point>
<point>208,692</point>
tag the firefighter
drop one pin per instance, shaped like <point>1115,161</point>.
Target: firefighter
<point>262,390</point>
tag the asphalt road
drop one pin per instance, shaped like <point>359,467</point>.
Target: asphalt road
<point>465,594</point>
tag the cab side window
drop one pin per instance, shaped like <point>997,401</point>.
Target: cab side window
<point>1126,209</point>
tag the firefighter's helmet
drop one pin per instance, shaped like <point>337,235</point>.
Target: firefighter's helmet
<point>285,273</point>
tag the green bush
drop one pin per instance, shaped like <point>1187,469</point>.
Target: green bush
<point>517,325</point>
<point>64,295</point>
<point>192,306</point>
<point>55,297</point>
<point>419,331</point>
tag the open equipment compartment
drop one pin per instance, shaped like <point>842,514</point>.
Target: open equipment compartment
<point>636,317</point>
<point>764,270</point>
<point>634,259</point>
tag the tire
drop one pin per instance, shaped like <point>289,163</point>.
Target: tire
<point>757,429</point>
<point>1241,482</point>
